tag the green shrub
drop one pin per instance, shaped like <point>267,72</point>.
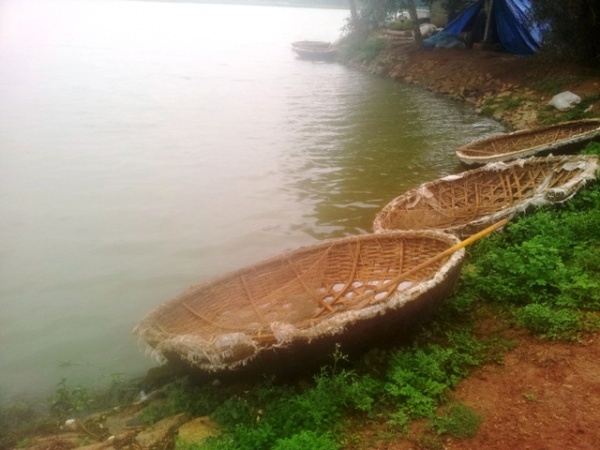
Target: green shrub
<point>459,420</point>
<point>553,323</point>
<point>278,416</point>
<point>182,396</point>
<point>419,377</point>
<point>370,49</point>
<point>67,401</point>
<point>307,440</point>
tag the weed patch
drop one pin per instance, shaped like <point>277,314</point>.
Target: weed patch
<point>361,50</point>
<point>419,378</point>
<point>457,420</point>
<point>503,103</point>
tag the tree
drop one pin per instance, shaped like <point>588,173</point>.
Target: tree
<point>353,13</point>
<point>373,14</point>
<point>452,7</point>
<point>358,26</point>
<point>412,11</point>
<point>376,13</point>
<point>571,29</point>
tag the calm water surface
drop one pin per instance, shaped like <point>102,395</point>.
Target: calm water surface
<point>148,146</point>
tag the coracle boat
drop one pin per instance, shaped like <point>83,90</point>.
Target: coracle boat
<point>315,50</point>
<point>312,44</point>
<point>467,202</point>
<point>557,139</point>
<point>340,291</point>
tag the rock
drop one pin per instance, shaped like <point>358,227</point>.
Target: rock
<point>198,430</point>
<point>160,435</point>
<point>498,115</point>
<point>124,439</point>
<point>428,29</point>
<point>565,101</point>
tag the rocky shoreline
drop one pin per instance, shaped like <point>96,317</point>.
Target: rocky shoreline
<point>514,90</point>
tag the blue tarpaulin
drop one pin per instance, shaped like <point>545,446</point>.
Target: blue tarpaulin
<point>511,25</point>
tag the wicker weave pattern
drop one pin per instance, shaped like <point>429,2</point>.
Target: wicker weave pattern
<point>303,294</point>
<point>519,144</point>
<point>468,202</point>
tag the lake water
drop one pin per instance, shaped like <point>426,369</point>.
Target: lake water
<point>148,146</point>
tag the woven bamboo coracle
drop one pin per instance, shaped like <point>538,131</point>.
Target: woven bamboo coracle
<point>560,138</point>
<point>472,200</point>
<point>339,286</point>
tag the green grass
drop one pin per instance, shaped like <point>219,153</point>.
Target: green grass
<point>503,103</point>
<point>361,50</point>
<point>420,377</point>
<point>457,420</point>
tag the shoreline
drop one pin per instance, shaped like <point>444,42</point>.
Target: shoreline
<point>514,90</point>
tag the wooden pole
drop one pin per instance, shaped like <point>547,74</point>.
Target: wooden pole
<point>412,11</point>
<point>488,21</point>
<point>452,249</point>
<point>404,275</point>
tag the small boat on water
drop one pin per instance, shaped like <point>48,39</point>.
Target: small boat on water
<point>469,201</point>
<point>312,44</point>
<point>298,303</point>
<point>315,50</point>
<point>557,139</point>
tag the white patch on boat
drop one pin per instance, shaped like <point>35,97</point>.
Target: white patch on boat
<point>381,296</point>
<point>283,331</point>
<point>338,287</point>
<point>452,177</point>
<point>404,285</point>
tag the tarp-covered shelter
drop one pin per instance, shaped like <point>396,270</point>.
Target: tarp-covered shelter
<point>510,23</point>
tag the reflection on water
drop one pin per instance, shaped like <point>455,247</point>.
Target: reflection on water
<point>148,146</point>
<point>369,142</point>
